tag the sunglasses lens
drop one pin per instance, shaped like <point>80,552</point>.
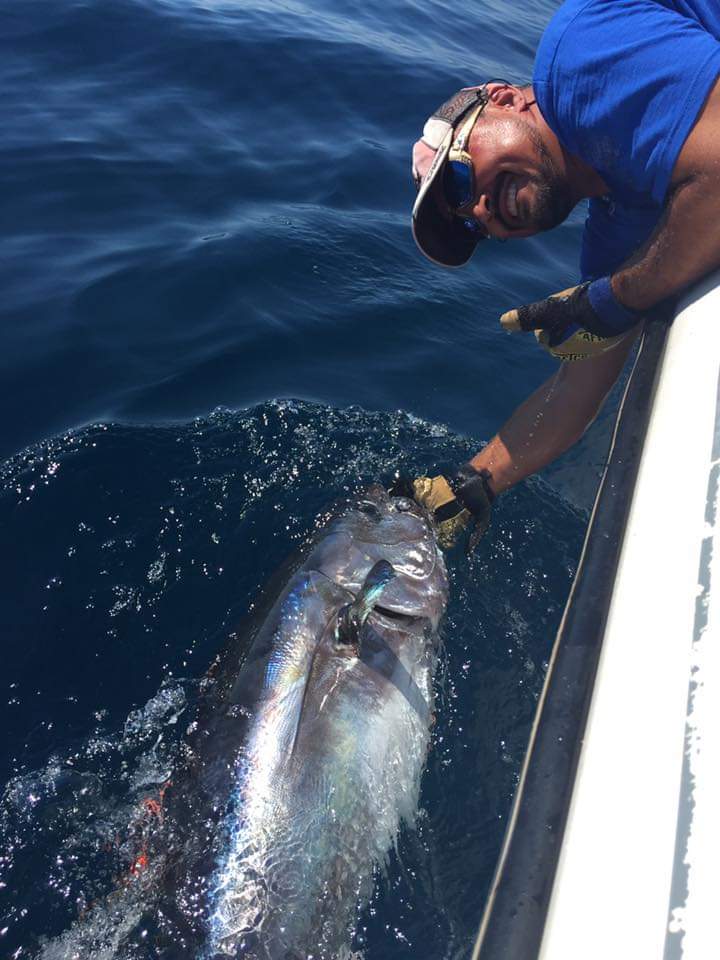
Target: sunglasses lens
<point>458,184</point>
<point>476,229</point>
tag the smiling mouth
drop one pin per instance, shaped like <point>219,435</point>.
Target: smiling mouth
<point>511,197</point>
<point>506,202</point>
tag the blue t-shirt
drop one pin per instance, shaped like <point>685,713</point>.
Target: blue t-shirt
<point>621,84</point>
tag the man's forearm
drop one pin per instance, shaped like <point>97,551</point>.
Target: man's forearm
<point>683,248</point>
<point>551,419</point>
<point>686,243</point>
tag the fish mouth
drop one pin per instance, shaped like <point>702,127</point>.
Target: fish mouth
<point>375,660</point>
<point>399,616</point>
<point>396,529</point>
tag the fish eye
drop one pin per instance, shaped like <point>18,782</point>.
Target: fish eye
<point>370,509</point>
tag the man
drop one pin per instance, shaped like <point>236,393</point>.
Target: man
<point>624,109</point>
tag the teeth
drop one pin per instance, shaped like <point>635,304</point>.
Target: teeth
<point>512,198</point>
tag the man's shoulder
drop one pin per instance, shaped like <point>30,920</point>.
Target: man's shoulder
<point>585,33</point>
<point>554,40</point>
<point>571,70</point>
<point>620,83</point>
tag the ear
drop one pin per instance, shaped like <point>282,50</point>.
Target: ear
<point>506,96</point>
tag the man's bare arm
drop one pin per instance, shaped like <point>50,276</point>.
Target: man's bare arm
<point>553,418</point>
<point>686,243</point>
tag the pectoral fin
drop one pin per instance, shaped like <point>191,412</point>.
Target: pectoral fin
<point>353,616</point>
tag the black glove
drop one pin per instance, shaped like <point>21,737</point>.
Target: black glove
<point>577,323</point>
<point>456,501</point>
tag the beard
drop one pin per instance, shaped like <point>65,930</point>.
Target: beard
<point>553,198</point>
<point>552,202</point>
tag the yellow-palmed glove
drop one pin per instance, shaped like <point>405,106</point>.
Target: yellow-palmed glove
<point>458,502</point>
<point>577,323</point>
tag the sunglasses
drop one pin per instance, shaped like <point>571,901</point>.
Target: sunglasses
<point>459,176</point>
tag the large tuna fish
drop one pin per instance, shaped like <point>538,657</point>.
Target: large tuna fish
<point>308,758</point>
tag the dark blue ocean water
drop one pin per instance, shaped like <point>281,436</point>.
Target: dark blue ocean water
<point>215,322</point>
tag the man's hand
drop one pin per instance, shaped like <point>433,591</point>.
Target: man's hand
<point>456,502</point>
<point>577,323</point>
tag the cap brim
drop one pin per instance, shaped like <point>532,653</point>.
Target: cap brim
<point>439,235</point>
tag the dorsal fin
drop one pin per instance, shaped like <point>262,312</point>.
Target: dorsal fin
<point>353,616</point>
